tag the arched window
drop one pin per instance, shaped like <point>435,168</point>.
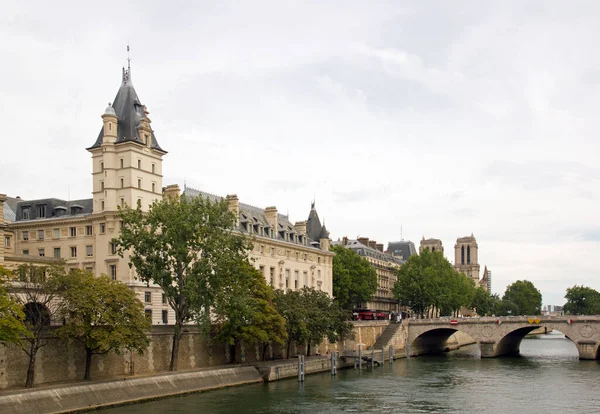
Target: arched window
<point>462,254</point>
<point>36,314</point>
<point>468,254</point>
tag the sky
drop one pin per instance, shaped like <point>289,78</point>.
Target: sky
<point>401,119</point>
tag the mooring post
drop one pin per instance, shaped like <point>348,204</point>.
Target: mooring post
<point>359,356</point>
<point>300,368</point>
<point>333,364</point>
<point>391,355</point>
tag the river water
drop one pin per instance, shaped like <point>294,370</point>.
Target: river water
<point>547,377</point>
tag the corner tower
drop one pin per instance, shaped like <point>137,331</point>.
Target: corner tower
<point>126,157</point>
<point>466,258</point>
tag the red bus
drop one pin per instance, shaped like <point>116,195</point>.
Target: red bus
<point>369,315</point>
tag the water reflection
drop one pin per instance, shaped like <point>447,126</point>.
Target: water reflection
<point>538,380</point>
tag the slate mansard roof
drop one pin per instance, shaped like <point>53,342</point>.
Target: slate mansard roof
<point>251,216</point>
<point>51,208</point>
<point>401,248</point>
<point>364,250</point>
<point>130,112</point>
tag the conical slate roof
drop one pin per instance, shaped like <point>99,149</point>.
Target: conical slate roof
<point>313,224</point>
<point>130,112</point>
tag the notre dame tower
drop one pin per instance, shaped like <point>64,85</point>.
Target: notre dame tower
<point>466,258</point>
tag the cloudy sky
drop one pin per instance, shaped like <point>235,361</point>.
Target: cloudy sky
<point>438,118</point>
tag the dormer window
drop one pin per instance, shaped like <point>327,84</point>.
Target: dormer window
<point>60,211</point>
<point>26,213</point>
<point>41,210</point>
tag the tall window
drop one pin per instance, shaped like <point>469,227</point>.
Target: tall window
<point>40,234</point>
<point>154,187</point>
<point>165,316</point>
<point>7,242</point>
<point>41,211</point>
<point>122,183</point>
<point>121,162</point>
<point>305,277</point>
<point>57,252</point>
<point>88,230</point>
<point>73,251</point>
<point>462,255</point>
<point>140,164</point>
<point>56,233</point>
<point>112,270</point>
<point>73,231</point>
<point>89,251</point>
<point>272,276</point>
<point>153,168</point>
<point>26,213</point>
<point>25,235</point>
<point>139,183</point>
<point>42,252</point>
<point>102,228</point>
<point>148,297</point>
<point>113,248</point>
<point>468,254</point>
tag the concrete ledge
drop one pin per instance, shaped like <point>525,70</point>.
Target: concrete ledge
<point>94,395</point>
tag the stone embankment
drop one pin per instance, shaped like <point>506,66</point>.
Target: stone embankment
<point>129,390</point>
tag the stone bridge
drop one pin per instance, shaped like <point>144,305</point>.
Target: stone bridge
<point>502,335</point>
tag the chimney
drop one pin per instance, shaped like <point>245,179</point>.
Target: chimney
<point>271,216</point>
<point>345,241</point>
<point>372,244</point>
<point>363,240</point>
<point>233,203</point>
<point>300,227</point>
<point>380,247</point>
<point>172,191</point>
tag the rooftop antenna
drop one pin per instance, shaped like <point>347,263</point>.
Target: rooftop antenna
<point>128,59</point>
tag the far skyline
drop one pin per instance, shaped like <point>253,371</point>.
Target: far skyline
<point>438,119</point>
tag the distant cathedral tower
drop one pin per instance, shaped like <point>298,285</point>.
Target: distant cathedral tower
<point>433,245</point>
<point>466,259</point>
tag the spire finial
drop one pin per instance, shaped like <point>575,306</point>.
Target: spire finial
<point>127,73</point>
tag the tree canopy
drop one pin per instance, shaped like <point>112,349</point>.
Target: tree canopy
<point>582,300</point>
<point>428,281</point>
<point>245,311</point>
<point>102,314</point>
<point>524,295</point>
<point>354,279</point>
<point>12,317</point>
<point>187,247</point>
<point>311,315</point>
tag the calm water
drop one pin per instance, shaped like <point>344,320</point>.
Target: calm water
<point>546,378</point>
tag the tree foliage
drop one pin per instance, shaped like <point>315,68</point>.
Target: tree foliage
<point>354,279</point>
<point>311,316</point>
<point>582,300</point>
<point>186,247</point>
<point>428,281</point>
<point>525,297</point>
<point>12,317</point>
<point>245,311</point>
<point>102,314</point>
<point>35,289</point>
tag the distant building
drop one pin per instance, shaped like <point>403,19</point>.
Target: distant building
<point>385,266</point>
<point>466,257</point>
<point>433,245</point>
<point>401,249</point>
<point>486,280</point>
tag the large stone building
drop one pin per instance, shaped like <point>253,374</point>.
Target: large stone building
<point>127,169</point>
<point>433,245</point>
<point>466,257</point>
<point>385,266</point>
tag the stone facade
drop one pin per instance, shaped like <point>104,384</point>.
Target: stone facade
<point>466,258</point>
<point>433,245</point>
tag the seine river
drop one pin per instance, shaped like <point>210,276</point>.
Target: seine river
<point>546,378</point>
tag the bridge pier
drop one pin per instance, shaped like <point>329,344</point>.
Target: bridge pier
<point>488,349</point>
<point>587,349</point>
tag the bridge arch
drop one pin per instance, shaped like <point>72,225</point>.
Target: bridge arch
<point>502,335</point>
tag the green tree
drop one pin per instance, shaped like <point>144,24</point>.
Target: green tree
<point>102,314</point>
<point>187,247</point>
<point>482,302</point>
<point>290,305</point>
<point>354,279</point>
<point>245,311</point>
<point>36,291</point>
<point>12,317</point>
<point>507,308</point>
<point>525,296</point>
<point>428,281</point>
<point>582,300</point>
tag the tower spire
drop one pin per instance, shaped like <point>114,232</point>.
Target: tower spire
<point>127,73</point>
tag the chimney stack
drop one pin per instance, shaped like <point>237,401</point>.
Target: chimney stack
<point>380,247</point>
<point>363,240</point>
